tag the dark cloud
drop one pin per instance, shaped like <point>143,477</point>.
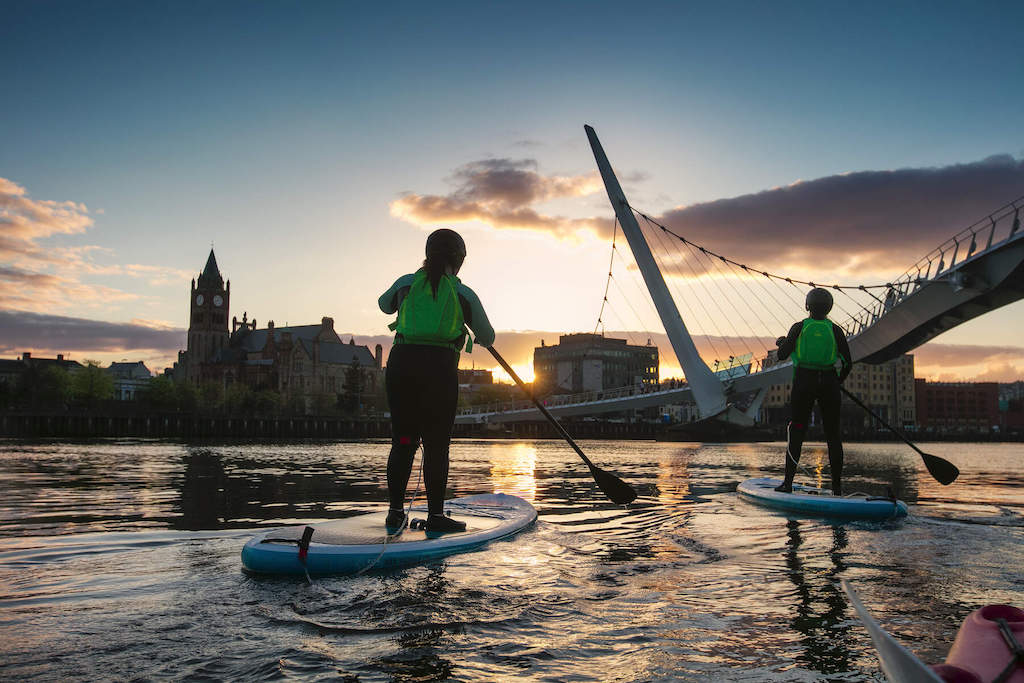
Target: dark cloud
<point>21,330</point>
<point>870,219</point>
<point>502,193</point>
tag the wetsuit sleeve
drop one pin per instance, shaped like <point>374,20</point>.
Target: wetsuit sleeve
<point>789,343</point>
<point>388,301</point>
<point>477,320</point>
<point>843,348</point>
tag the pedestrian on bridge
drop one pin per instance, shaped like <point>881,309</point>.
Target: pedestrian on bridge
<point>815,344</point>
<point>436,313</point>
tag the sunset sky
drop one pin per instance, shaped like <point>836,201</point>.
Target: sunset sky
<point>315,145</point>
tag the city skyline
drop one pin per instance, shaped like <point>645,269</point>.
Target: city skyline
<point>316,146</point>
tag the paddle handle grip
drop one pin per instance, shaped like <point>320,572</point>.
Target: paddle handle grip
<point>540,406</point>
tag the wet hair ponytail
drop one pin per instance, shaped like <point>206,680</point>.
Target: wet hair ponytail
<point>435,265</point>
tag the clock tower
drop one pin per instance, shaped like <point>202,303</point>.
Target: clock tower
<point>208,318</point>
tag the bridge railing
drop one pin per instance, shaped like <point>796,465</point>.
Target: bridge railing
<point>556,400</point>
<point>996,228</point>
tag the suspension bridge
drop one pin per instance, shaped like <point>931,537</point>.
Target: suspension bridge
<point>978,270</point>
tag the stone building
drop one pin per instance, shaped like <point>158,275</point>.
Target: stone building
<point>308,364</point>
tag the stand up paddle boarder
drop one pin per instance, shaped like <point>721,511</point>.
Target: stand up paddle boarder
<point>434,310</point>
<point>815,344</point>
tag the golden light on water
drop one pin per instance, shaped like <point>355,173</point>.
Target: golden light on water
<point>673,479</point>
<point>512,469</point>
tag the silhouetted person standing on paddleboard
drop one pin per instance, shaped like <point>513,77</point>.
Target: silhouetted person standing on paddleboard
<point>434,311</point>
<point>815,345</point>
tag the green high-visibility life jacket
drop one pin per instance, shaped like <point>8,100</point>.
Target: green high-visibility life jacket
<point>424,318</point>
<point>816,346</point>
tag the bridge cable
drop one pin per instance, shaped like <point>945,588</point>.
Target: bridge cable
<point>762,272</point>
<point>695,277</point>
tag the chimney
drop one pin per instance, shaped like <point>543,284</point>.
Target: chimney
<point>60,357</point>
<point>378,355</point>
<point>270,325</point>
<point>26,355</point>
<point>327,323</point>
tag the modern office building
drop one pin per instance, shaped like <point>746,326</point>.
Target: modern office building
<point>592,362</point>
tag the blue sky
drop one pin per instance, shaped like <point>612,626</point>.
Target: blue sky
<point>285,132</point>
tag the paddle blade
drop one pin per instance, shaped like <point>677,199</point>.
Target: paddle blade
<point>618,491</point>
<point>944,471</point>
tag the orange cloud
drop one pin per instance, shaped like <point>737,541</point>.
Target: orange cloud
<point>503,193</point>
<point>44,277</point>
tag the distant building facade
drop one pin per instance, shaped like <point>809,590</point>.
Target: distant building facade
<point>309,363</point>
<point>958,406</point>
<point>592,362</point>
<point>474,376</point>
<point>887,388</point>
<point>129,379</point>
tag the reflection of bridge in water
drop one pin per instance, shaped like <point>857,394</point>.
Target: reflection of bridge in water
<point>976,271</point>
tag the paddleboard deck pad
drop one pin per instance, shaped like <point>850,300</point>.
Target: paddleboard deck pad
<point>808,500</point>
<point>347,546</point>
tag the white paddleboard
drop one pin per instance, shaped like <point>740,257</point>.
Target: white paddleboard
<point>819,503</point>
<point>347,546</point>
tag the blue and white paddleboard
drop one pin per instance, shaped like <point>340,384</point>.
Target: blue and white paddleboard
<point>347,546</point>
<point>807,500</point>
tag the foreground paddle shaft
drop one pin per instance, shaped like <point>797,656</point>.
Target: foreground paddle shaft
<point>944,471</point>
<point>617,490</point>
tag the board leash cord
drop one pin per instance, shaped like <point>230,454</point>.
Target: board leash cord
<point>405,523</point>
<point>855,494</point>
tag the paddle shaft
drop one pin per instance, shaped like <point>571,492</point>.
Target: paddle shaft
<point>540,406</point>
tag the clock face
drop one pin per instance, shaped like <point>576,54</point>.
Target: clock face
<point>199,300</point>
<point>218,301</point>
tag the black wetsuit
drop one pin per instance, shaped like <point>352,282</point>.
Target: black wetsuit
<point>821,386</point>
<point>423,390</point>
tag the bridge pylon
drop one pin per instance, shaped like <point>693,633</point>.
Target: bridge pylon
<point>708,390</point>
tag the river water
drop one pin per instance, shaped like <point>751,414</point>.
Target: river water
<point>120,560</point>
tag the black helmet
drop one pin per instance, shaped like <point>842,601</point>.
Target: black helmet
<point>445,242</point>
<point>819,302</point>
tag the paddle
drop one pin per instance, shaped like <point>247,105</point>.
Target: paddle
<point>944,471</point>
<point>617,490</point>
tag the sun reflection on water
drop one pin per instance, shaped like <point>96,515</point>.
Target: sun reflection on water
<point>512,469</point>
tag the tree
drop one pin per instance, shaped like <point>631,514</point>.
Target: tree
<point>188,396</point>
<point>161,394</point>
<point>238,399</point>
<point>351,396</point>
<point>323,403</point>
<point>92,384</point>
<point>266,402</point>
<point>50,387</point>
<point>211,395</point>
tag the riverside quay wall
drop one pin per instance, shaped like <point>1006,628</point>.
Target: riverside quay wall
<point>177,425</point>
<point>189,426</point>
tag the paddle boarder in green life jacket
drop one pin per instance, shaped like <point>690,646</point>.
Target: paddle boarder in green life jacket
<point>815,345</point>
<point>436,313</point>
